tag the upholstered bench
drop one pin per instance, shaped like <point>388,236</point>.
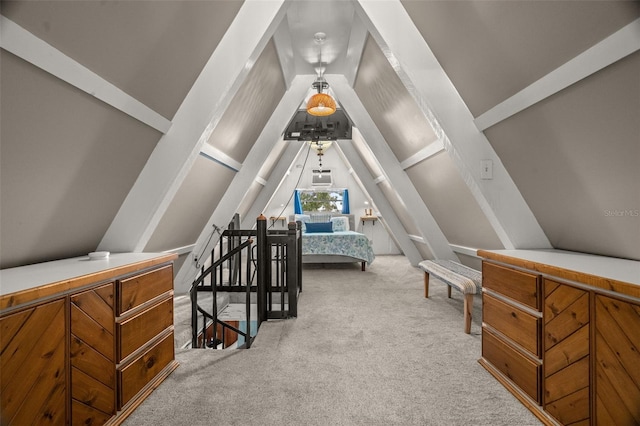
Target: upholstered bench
<point>468,281</point>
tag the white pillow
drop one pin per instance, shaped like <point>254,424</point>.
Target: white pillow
<point>340,223</point>
<point>302,218</point>
<point>320,217</point>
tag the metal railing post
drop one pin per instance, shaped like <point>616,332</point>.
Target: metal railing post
<point>214,310</point>
<point>299,253</point>
<point>292,268</point>
<point>262,266</point>
<point>248,301</point>
<point>194,316</point>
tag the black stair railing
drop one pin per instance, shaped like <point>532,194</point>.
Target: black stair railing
<point>280,264</point>
<point>270,261</point>
<point>205,323</point>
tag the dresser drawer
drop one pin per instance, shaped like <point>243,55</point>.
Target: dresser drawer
<point>519,286</point>
<point>136,290</point>
<point>141,371</point>
<point>521,327</point>
<point>136,331</point>
<point>524,372</point>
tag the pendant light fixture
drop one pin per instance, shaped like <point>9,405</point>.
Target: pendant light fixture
<point>320,147</point>
<point>320,104</point>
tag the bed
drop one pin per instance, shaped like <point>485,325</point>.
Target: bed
<point>330,239</point>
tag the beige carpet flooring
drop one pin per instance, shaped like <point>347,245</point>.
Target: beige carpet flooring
<point>366,349</point>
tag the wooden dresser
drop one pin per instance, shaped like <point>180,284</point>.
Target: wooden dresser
<point>84,341</point>
<point>561,331</point>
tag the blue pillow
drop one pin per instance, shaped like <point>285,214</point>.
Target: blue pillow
<point>319,227</point>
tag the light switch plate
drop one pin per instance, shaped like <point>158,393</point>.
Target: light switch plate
<point>486,169</point>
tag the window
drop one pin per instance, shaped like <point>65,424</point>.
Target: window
<point>321,200</point>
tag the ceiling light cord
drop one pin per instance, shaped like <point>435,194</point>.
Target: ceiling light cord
<point>295,187</point>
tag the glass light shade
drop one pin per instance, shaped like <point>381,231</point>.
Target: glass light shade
<point>320,146</point>
<point>321,105</point>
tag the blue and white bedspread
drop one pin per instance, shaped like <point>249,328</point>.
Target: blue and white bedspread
<point>347,243</point>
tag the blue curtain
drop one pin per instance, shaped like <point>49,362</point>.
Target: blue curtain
<point>345,202</point>
<point>297,204</point>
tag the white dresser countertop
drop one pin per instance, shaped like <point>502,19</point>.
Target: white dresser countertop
<point>22,278</point>
<point>623,270</point>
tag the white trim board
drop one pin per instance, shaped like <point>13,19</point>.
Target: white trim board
<point>468,251</point>
<point>426,152</point>
<point>417,239</point>
<point>218,156</point>
<point>181,250</point>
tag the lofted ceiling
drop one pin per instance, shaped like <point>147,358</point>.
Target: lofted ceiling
<point>132,126</point>
<point>334,18</point>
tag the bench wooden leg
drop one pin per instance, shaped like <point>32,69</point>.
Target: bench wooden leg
<point>426,285</point>
<point>449,291</point>
<point>468,307</point>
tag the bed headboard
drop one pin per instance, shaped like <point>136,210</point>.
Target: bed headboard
<point>352,220</point>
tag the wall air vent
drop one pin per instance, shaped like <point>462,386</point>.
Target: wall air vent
<point>321,177</point>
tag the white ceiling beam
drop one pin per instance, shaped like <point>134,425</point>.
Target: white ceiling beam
<point>357,40</point>
<point>218,156</point>
<point>273,184</point>
<point>284,48</point>
<point>444,109</point>
<point>423,220</point>
<point>195,120</point>
<point>428,151</point>
<point>242,181</point>
<point>362,175</point>
<point>417,239</point>
<point>613,48</point>
<point>23,44</point>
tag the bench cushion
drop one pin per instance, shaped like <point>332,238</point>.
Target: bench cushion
<point>463,278</point>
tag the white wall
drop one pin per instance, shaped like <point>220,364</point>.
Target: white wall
<point>282,202</point>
